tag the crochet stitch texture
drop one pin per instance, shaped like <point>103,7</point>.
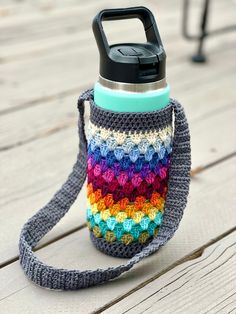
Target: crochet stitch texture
<point>127,166</point>
<point>49,215</point>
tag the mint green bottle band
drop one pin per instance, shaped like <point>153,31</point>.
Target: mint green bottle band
<point>122,101</point>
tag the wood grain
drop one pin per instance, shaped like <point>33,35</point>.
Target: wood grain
<point>56,21</point>
<point>203,285</point>
<point>59,72</point>
<point>45,164</point>
<point>50,131</point>
<point>29,184</point>
<point>57,114</point>
<point>203,220</point>
<point>39,31</point>
<point>42,71</point>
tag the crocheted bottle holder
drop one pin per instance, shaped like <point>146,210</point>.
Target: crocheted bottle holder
<point>138,173</point>
<point>128,167</point>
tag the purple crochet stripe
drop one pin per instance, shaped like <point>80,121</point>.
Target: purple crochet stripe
<point>119,192</point>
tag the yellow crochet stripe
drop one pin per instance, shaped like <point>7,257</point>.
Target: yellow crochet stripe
<point>122,215</point>
<point>121,137</point>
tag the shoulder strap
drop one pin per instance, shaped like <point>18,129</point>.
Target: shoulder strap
<point>48,216</point>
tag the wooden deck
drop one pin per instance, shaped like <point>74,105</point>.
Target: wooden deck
<point>47,57</point>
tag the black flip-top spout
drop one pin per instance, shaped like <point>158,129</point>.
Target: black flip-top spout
<point>130,62</point>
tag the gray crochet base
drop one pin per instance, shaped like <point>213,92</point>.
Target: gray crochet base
<point>117,249</point>
<point>49,215</point>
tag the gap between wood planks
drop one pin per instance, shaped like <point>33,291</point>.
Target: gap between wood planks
<point>71,123</point>
<point>64,125</point>
<point>11,249</point>
<point>63,93</point>
<point>193,255</point>
<point>223,153</point>
<point>45,133</point>
<point>194,277</point>
<point>57,238</point>
<point>194,173</point>
<point>169,15</point>
<point>43,99</point>
<point>70,91</point>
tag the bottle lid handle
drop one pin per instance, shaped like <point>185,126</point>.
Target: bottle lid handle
<point>142,13</point>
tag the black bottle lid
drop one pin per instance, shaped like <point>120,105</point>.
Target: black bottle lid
<point>130,62</point>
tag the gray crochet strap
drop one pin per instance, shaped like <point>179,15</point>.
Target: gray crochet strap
<point>48,216</point>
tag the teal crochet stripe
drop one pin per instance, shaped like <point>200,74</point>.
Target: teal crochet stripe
<point>127,226</point>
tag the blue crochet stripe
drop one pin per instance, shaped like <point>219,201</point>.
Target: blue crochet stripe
<point>128,145</point>
<point>133,151</point>
<point>125,160</point>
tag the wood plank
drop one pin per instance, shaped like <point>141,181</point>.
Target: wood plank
<point>27,34</point>
<point>77,251</point>
<point>16,29</point>
<point>50,117</point>
<point>58,72</point>
<point>204,285</point>
<point>65,113</point>
<point>208,147</point>
<point>61,73</point>
<point>10,9</point>
<point>13,12</point>
<point>41,172</point>
<point>42,181</point>
<point>55,24</point>
<point>55,115</point>
<point>30,176</point>
<point>48,20</point>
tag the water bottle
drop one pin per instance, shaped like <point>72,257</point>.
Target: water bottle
<point>136,160</point>
<point>132,75</point>
<point>130,139</point>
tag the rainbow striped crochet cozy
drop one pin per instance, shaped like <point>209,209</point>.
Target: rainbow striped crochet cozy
<point>127,167</point>
<point>138,175</point>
